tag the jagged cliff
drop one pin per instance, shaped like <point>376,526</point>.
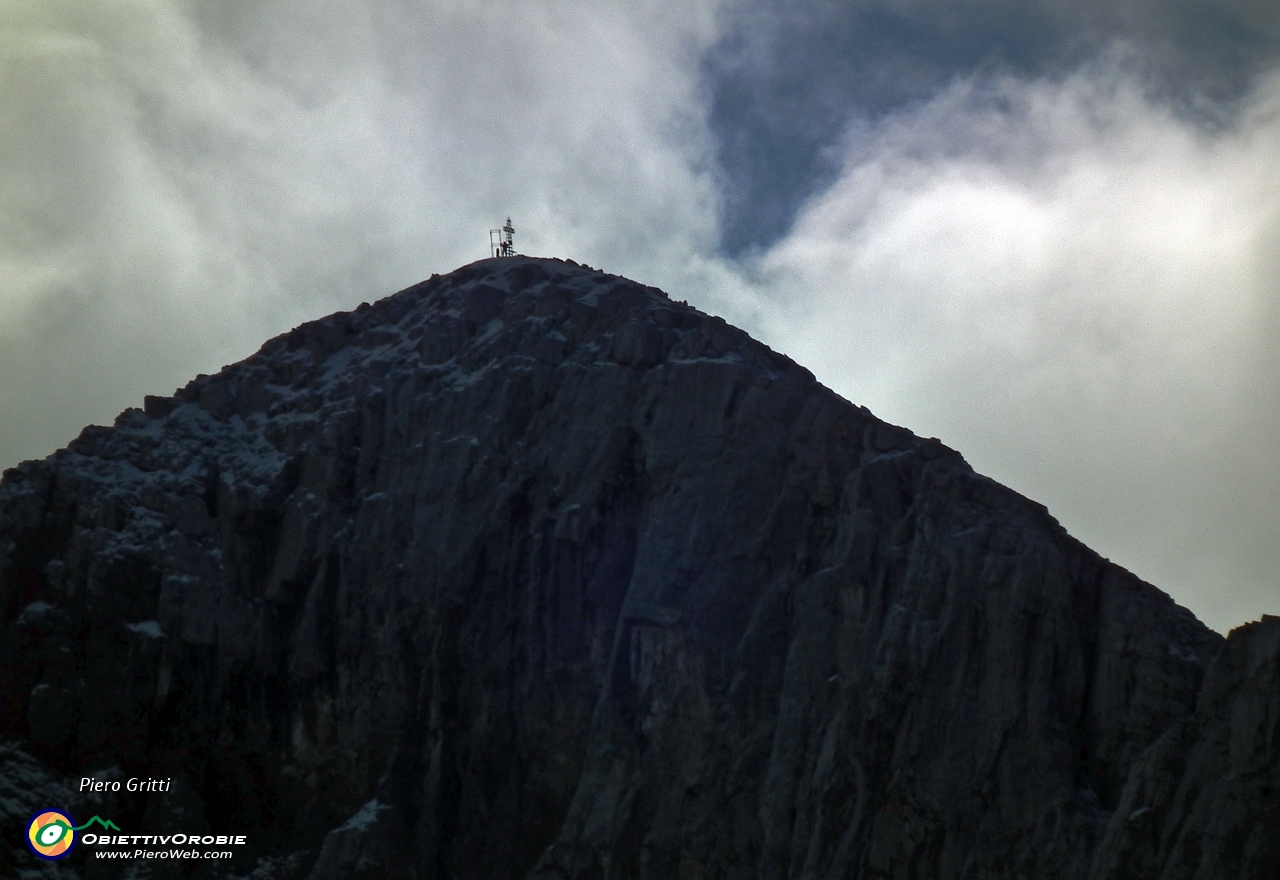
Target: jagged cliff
<point>529,572</point>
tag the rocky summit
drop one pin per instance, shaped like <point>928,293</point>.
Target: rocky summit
<point>528,571</point>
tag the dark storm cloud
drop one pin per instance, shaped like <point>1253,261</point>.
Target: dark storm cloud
<point>786,80</point>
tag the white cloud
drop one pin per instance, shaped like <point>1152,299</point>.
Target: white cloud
<point>1072,286</point>
<point>185,180</point>
<point>1065,281</point>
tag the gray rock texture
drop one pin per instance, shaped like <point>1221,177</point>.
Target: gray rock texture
<point>530,572</point>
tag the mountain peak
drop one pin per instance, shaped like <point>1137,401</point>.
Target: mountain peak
<point>527,570</point>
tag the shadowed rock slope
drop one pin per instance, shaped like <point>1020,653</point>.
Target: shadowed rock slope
<point>529,572</point>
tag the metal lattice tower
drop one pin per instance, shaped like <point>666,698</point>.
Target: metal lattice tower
<point>500,241</point>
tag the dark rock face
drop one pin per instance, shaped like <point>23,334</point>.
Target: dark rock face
<point>1204,800</point>
<point>529,572</point>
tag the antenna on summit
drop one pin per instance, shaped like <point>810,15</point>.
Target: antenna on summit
<point>500,241</point>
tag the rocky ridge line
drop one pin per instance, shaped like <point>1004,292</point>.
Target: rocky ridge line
<point>527,571</point>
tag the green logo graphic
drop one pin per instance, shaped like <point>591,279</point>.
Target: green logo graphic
<point>51,833</point>
<point>98,820</point>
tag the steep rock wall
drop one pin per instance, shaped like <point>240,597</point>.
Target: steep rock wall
<point>527,571</point>
<point>1204,801</point>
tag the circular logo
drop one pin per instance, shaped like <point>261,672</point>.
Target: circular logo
<point>51,834</point>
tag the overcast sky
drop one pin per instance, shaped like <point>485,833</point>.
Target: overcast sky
<point>1047,233</point>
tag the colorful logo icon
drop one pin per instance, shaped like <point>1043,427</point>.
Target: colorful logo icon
<point>51,834</point>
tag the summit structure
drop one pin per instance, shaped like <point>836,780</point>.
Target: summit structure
<point>527,571</point>
<point>502,241</point>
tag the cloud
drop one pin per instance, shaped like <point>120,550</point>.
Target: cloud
<point>1075,286</point>
<point>783,79</point>
<point>1056,269</point>
<point>184,180</point>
